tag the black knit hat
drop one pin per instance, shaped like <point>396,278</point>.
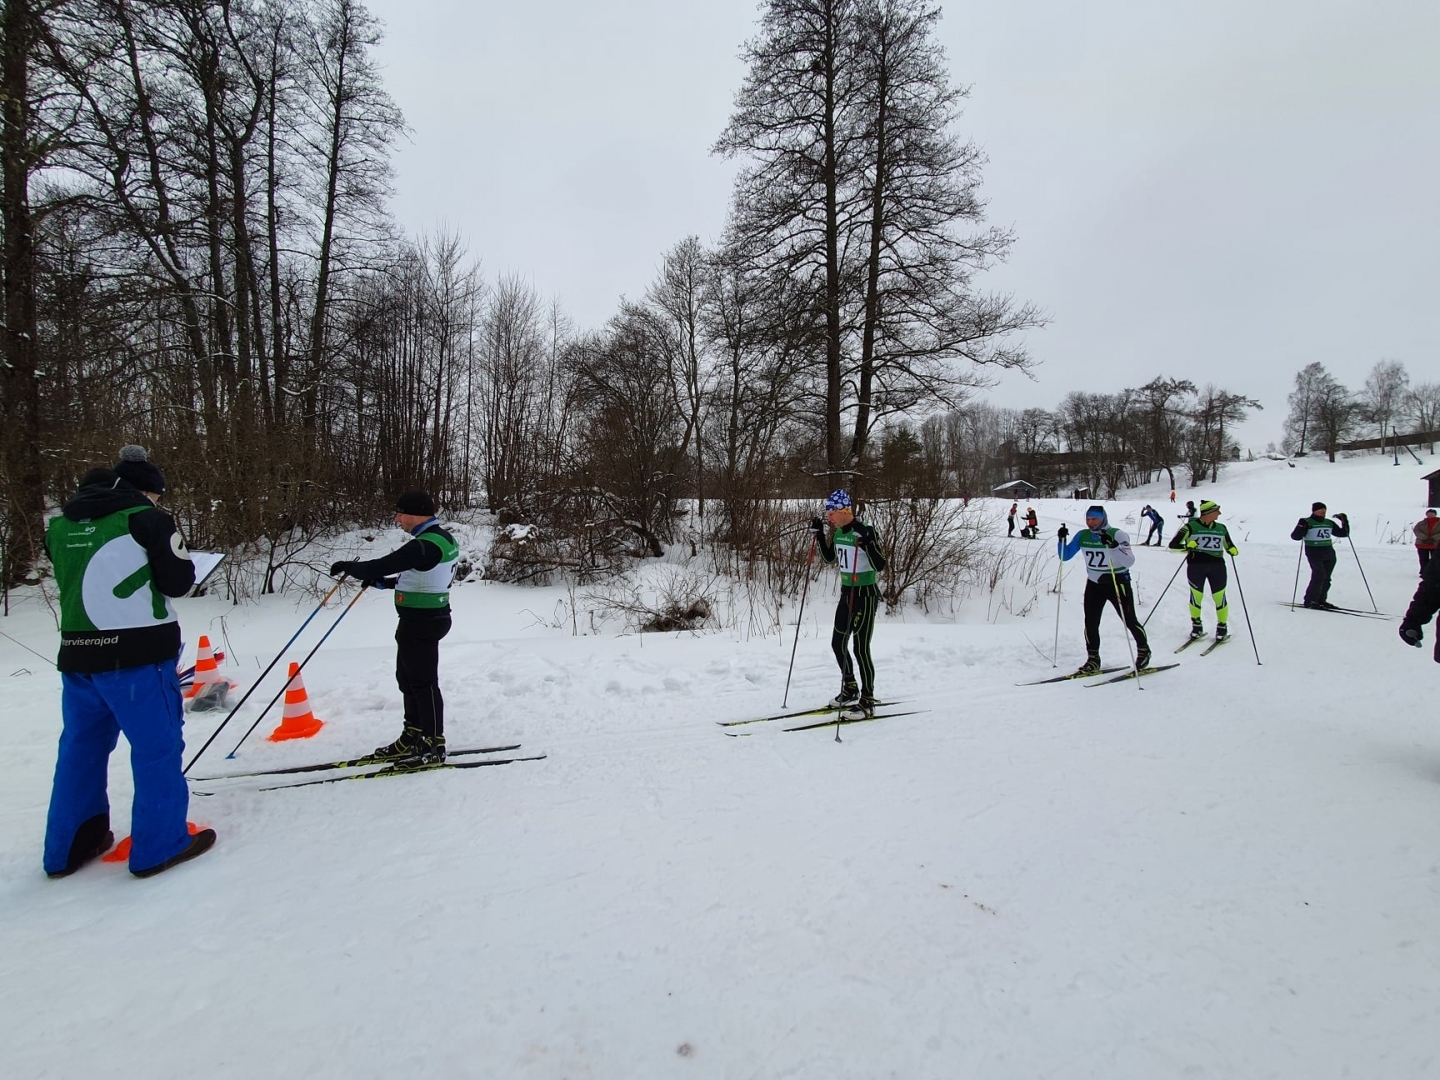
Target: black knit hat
<point>417,503</point>
<point>135,468</point>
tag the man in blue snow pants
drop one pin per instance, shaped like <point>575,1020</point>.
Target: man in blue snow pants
<point>117,561</point>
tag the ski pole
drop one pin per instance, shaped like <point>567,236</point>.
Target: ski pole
<point>1162,593</point>
<point>1059,581</point>
<point>1296,590</point>
<point>299,668</point>
<point>28,649</point>
<point>785,703</point>
<point>850,623</point>
<point>1241,589</point>
<point>258,681</point>
<point>1120,610</point>
<point>1362,575</point>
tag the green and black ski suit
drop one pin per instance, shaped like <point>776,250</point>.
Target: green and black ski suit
<point>856,547</point>
<point>1205,547</point>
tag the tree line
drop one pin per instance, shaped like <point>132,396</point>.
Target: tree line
<point>1325,413</point>
<point>1096,441</point>
<point>198,256</point>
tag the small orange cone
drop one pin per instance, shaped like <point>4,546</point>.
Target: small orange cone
<point>206,669</point>
<point>298,722</point>
<point>121,851</point>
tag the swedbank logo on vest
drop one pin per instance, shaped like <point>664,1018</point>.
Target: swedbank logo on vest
<point>112,639</point>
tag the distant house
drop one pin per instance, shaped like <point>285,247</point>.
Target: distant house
<point>1434,479</point>
<point>1016,489</point>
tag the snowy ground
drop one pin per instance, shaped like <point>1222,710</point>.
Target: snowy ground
<point>1231,872</point>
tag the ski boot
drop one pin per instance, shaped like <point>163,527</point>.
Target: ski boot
<point>1142,659</point>
<point>1222,632</point>
<point>1197,628</point>
<point>1090,667</point>
<point>408,745</point>
<point>849,694</point>
<point>860,709</point>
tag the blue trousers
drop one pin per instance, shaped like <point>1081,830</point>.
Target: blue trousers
<point>143,702</point>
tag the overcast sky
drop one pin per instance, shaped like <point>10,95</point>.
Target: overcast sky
<point>1220,190</point>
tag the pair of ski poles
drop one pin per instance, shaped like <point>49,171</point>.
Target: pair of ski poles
<point>345,611</point>
<point>1299,557</point>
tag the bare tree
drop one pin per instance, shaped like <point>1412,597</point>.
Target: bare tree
<point>1384,394</point>
<point>1422,408</point>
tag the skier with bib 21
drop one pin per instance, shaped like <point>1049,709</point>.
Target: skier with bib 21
<point>856,547</point>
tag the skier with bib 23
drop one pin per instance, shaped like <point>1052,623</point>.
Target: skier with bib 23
<point>1206,542</point>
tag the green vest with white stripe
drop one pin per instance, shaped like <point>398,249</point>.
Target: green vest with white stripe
<point>855,566</point>
<point>104,576</point>
<point>429,589</point>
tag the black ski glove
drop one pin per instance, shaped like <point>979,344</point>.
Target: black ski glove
<point>1108,540</point>
<point>1062,533</point>
<point>380,583</point>
<point>342,569</point>
<point>1412,635</point>
<point>817,525</point>
<point>1344,517</point>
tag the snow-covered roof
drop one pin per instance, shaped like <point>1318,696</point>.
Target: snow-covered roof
<point>1011,483</point>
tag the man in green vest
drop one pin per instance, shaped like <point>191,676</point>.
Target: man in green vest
<point>855,546</point>
<point>1206,542</point>
<point>118,560</point>
<point>420,573</point>
<point>1318,533</point>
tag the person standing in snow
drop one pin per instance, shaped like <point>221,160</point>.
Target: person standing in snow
<point>1010,518</point>
<point>1427,538</point>
<point>420,572</point>
<point>1032,523</point>
<point>1423,607</point>
<point>856,547</point>
<point>1157,523</point>
<point>1108,559</point>
<point>1206,542</point>
<point>118,560</point>
<point>1318,531</point>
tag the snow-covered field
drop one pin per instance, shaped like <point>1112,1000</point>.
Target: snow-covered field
<point>1226,870</point>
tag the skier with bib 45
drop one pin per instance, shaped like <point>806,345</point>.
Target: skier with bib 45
<point>1206,543</point>
<point>1318,532</point>
<point>856,547</point>
<point>1108,559</point>
<point>420,573</point>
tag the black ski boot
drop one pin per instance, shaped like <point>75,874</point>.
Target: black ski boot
<point>410,743</point>
<point>1197,628</point>
<point>1142,659</point>
<point>1222,632</point>
<point>1090,667</point>
<point>849,694</point>
<point>861,709</point>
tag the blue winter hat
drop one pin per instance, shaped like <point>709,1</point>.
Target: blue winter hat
<point>1097,511</point>
<point>839,499</point>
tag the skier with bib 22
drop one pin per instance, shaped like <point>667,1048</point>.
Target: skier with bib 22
<point>1108,559</point>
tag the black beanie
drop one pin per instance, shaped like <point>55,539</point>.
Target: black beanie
<point>135,468</point>
<point>417,503</point>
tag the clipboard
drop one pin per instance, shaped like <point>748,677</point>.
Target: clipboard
<point>206,563</point>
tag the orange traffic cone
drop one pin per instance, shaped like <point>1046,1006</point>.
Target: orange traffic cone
<point>298,722</point>
<point>206,670</point>
<point>121,851</point>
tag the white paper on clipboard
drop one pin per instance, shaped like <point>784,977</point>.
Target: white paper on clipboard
<point>206,563</point>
